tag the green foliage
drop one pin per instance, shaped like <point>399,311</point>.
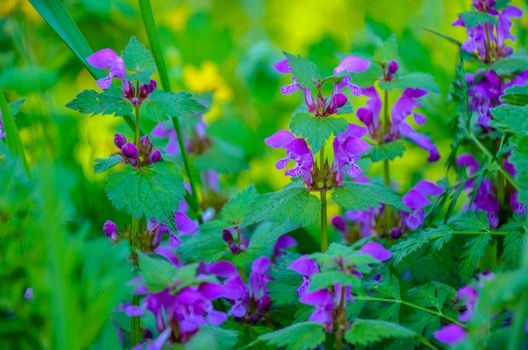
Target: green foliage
<point>419,80</point>
<point>161,106</point>
<point>517,62</point>
<point>317,130</point>
<point>299,336</point>
<point>152,192</point>
<point>284,284</point>
<point>239,206</point>
<point>390,151</point>
<point>519,158</point>
<point>104,164</point>
<point>387,51</point>
<point>365,332</point>
<point>110,101</point>
<point>138,60</point>
<point>420,240</point>
<point>475,18</point>
<point>509,118</point>
<point>473,251</point>
<point>208,245</point>
<point>293,205</point>
<point>303,69</point>
<point>213,338</point>
<point>361,196</point>
<point>516,95</point>
<point>432,294</point>
<point>329,278</point>
<point>158,274</point>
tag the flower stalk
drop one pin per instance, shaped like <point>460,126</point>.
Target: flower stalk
<point>386,164</point>
<point>324,214</point>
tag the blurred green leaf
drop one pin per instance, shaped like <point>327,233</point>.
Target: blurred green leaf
<point>415,80</point>
<point>158,274</point>
<point>104,164</point>
<point>387,51</point>
<point>474,18</point>
<point>391,151</point>
<point>138,60</point>
<point>365,332</point>
<point>363,196</point>
<point>303,69</point>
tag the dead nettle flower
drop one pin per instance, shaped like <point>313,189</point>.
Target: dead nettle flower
<point>145,155</point>
<point>319,105</point>
<point>108,59</point>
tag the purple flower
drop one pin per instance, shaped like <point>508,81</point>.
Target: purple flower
<point>184,224</point>
<point>110,230</point>
<point>28,294</point>
<point>284,242</point>
<point>370,114</point>
<point>323,301</point>
<point>306,267</point>
<point>451,334</point>
<point>376,250</point>
<point>2,133</point>
<point>416,200</point>
<point>348,146</point>
<point>130,151</point>
<point>258,280</point>
<point>107,58</point>
<point>119,140</point>
<point>155,156</point>
<point>470,296</point>
<point>296,150</point>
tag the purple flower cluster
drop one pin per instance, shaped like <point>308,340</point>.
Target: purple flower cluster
<point>399,127</point>
<point>140,156</point>
<point>319,105</point>
<point>488,40</point>
<point>2,132</point>
<point>330,303</point>
<point>108,59</point>
<point>348,147</point>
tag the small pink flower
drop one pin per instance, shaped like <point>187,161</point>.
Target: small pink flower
<point>107,58</point>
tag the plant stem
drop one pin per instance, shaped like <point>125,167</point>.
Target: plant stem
<point>340,318</point>
<point>324,218</point>
<point>414,306</point>
<point>386,162</point>
<point>152,33</point>
<point>521,311</point>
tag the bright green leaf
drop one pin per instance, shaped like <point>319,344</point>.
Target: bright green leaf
<point>303,69</point>
<point>390,151</point>
<point>363,196</point>
<point>317,130</point>
<point>109,102</point>
<point>138,60</point>
<point>299,336</point>
<point>365,332</point>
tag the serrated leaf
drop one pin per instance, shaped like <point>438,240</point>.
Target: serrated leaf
<point>158,274</point>
<point>390,151</point>
<point>415,80</point>
<point>509,118</point>
<point>103,164</point>
<point>473,251</point>
<point>317,130</point>
<point>387,51</point>
<point>108,102</point>
<point>365,332</point>
<point>474,18</point>
<point>432,294</point>
<point>239,206</point>
<point>303,69</point>
<point>284,282</point>
<point>138,60</point>
<point>161,106</point>
<point>512,255</point>
<point>368,77</point>
<point>152,192</point>
<point>299,336</point>
<point>516,95</point>
<point>207,245</point>
<point>293,205</point>
<point>519,158</point>
<point>417,241</point>
<point>326,279</point>
<point>213,338</point>
<point>363,196</point>
<point>517,62</point>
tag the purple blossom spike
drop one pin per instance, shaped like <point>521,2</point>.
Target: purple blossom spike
<point>119,140</point>
<point>107,59</point>
<point>416,200</point>
<point>324,304</point>
<point>348,147</point>
<point>184,224</point>
<point>451,334</point>
<point>130,150</point>
<point>155,156</point>
<point>376,250</point>
<point>306,267</point>
<point>110,230</point>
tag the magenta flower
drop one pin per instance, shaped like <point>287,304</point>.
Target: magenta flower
<point>2,133</point>
<point>416,200</point>
<point>306,267</point>
<point>470,296</point>
<point>184,224</point>
<point>348,147</point>
<point>110,230</point>
<point>296,150</point>
<point>284,242</point>
<point>107,59</point>
<point>323,300</point>
<point>451,334</point>
<point>376,250</point>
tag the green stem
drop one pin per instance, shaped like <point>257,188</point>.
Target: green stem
<point>136,323</point>
<point>411,305</point>
<point>340,320</point>
<point>14,143</point>
<point>153,36</point>
<point>324,215</point>
<point>521,311</point>
<point>386,162</point>
<point>136,129</point>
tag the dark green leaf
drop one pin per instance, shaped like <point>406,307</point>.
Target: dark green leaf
<point>419,80</point>
<point>138,60</point>
<point>419,240</point>
<point>239,206</point>
<point>299,336</point>
<point>516,95</point>
<point>473,251</point>
<point>390,151</point>
<point>213,338</point>
<point>108,101</point>
<point>363,196</point>
<point>475,18</point>
<point>303,69</point>
<point>161,106</point>
<point>365,332</point>
<point>317,130</point>
<point>158,274</point>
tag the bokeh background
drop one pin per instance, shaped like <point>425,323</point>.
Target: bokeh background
<point>222,47</point>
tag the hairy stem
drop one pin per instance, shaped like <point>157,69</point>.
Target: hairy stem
<point>324,218</point>
<point>152,33</point>
<point>411,305</point>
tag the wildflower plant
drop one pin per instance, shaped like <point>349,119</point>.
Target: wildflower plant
<point>183,263</point>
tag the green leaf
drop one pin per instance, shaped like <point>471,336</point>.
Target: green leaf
<point>13,141</point>
<point>208,245</point>
<point>317,130</point>
<point>325,279</point>
<point>284,282</point>
<point>419,80</point>
<point>369,77</point>
<point>109,101</point>
<point>417,241</point>
<point>303,69</point>
<point>138,60</point>
<point>293,205</point>
<point>161,106</point>
<point>432,294</point>
<point>152,192</point>
<point>299,336</point>
<point>390,151</point>
<point>515,63</point>
<point>223,157</point>
<point>387,51</point>
<point>519,158</point>
<point>509,118</point>
<point>513,245</point>
<point>475,18</point>
<point>239,206</point>
<point>158,274</point>
<point>212,338</point>
<point>516,95</point>
<point>365,332</point>
<point>15,106</point>
<point>103,164</point>
<point>473,251</point>
<point>361,196</point>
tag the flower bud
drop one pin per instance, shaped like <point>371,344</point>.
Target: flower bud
<point>145,142</point>
<point>129,150</point>
<point>235,249</point>
<point>110,229</point>
<point>119,140</point>
<point>155,156</point>
<point>392,68</point>
<point>396,233</point>
<point>339,100</point>
<point>227,236</point>
<point>128,90</point>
